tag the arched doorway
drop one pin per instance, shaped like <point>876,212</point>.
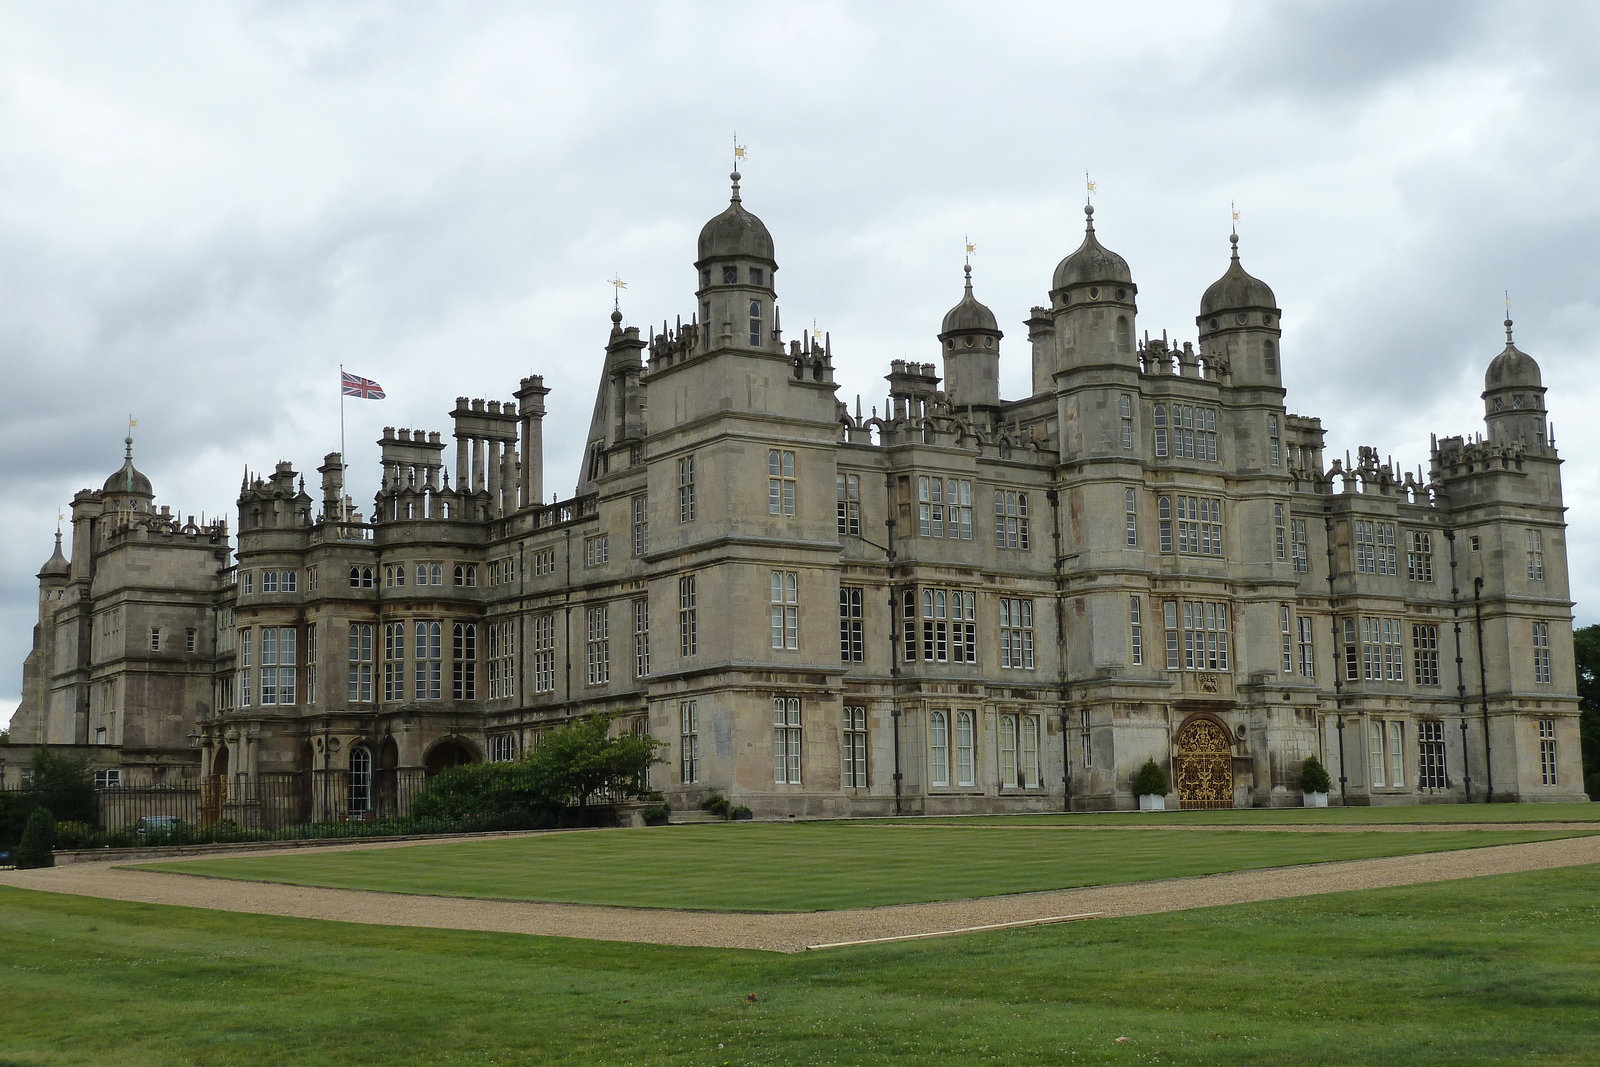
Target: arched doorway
<point>447,754</point>
<point>214,786</point>
<point>1204,764</point>
<point>360,794</point>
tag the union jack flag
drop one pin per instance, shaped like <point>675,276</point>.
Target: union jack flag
<point>354,385</point>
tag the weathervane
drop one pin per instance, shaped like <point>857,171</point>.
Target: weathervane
<point>971,248</point>
<point>1235,211</point>
<point>616,298</point>
<point>1090,187</point>
<point>738,150</point>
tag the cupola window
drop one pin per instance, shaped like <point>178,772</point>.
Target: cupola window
<point>757,276</point>
<point>988,342</point>
<point>1122,294</point>
<point>969,342</point>
<point>755,323</point>
<point>730,275</point>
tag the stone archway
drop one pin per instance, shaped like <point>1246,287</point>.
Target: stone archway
<point>451,752</point>
<point>1203,767</point>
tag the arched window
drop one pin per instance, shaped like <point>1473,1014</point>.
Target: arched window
<point>939,738</point>
<point>1161,430</point>
<point>1008,751</point>
<point>755,323</point>
<point>1029,757</point>
<point>965,763</point>
<point>1124,334</point>
<point>360,780</point>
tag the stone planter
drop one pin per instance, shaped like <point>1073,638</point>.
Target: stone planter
<point>1315,800</point>
<point>1152,802</point>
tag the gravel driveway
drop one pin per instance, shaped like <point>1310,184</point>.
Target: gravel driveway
<point>794,932</point>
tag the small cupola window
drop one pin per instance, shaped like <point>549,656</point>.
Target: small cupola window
<point>730,275</point>
<point>757,276</point>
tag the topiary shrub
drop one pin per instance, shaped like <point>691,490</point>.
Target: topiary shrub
<point>38,840</point>
<point>1151,780</point>
<point>1314,776</point>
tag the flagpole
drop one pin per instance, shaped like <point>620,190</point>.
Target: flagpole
<point>341,421</point>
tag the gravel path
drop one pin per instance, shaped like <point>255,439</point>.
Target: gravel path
<point>794,932</point>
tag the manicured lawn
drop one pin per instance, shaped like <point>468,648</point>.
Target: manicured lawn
<point>817,866</point>
<point>1400,814</point>
<point>1479,972</point>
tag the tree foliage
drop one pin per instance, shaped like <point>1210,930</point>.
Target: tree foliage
<point>581,759</point>
<point>38,840</point>
<point>573,763</point>
<point>1586,649</point>
<point>65,785</point>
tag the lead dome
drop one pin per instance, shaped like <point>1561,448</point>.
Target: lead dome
<point>1512,367</point>
<point>735,232</point>
<point>1092,262</point>
<point>969,314</point>
<point>1236,290</point>
<point>128,479</point>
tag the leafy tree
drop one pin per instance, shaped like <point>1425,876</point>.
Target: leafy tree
<point>1586,648</point>
<point>582,758</point>
<point>38,839</point>
<point>65,785</point>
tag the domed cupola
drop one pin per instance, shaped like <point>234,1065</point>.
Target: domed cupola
<point>1512,368</point>
<point>735,233</point>
<point>1095,266</point>
<point>970,338</point>
<point>1240,325</point>
<point>1513,397</point>
<point>56,566</point>
<point>969,315</point>
<point>1236,293</point>
<point>129,484</point>
<point>738,301</point>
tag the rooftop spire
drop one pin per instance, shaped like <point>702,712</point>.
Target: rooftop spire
<point>968,269</point>
<point>1508,317</point>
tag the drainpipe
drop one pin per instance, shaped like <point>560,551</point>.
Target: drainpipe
<point>1338,664</point>
<point>1461,675</point>
<point>1483,687</point>
<point>1054,498</point>
<point>894,640</point>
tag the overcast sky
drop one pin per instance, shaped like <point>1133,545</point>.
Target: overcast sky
<point>205,208</point>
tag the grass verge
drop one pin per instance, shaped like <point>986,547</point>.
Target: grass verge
<point>1484,971</point>
<point>1402,815</point>
<point>815,866</point>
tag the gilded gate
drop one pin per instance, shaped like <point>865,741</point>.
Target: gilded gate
<point>1204,765</point>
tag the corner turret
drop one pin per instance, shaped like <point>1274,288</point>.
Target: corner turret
<point>1513,399</point>
<point>970,337</point>
<point>1241,326</point>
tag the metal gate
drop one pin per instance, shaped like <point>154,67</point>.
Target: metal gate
<point>1204,766</point>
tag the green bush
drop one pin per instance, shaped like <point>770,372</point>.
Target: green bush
<point>658,815</point>
<point>15,807</point>
<point>485,791</point>
<point>715,803</point>
<point>1314,776</point>
<point>38,840</point>
<point>740,812</point>
<point>1151,780</point>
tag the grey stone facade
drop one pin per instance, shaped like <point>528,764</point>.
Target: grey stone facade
<point>959,604</point>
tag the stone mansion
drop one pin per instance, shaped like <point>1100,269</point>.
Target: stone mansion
<point>962,604</point>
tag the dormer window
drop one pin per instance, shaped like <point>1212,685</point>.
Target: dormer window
<point>730,275</point>
<point>757,276</point>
